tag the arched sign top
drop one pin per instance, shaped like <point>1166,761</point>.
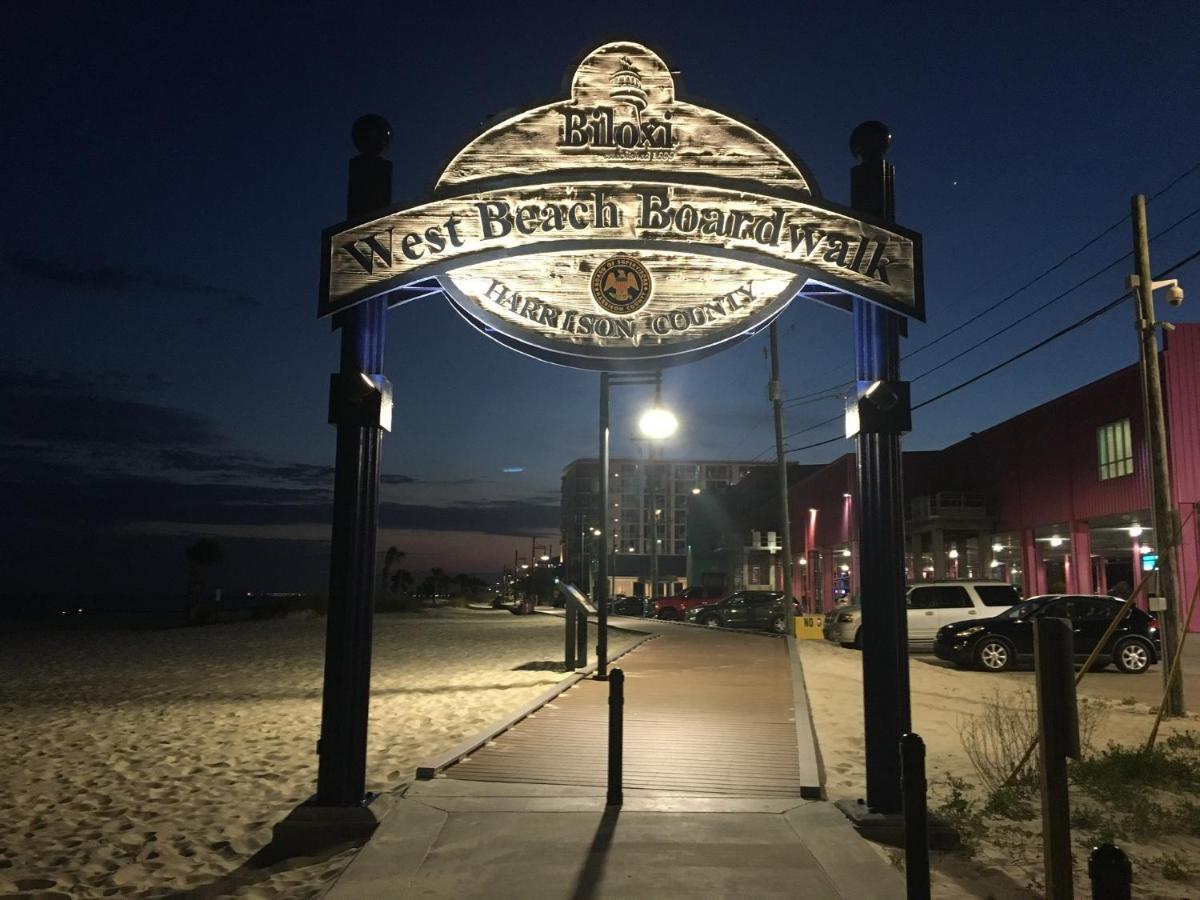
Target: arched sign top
<point>622,115</point>
<point>621,228</point>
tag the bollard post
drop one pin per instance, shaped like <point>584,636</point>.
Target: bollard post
<point>916,818</point>
<point>1111,873</point>
<point>1058,738</point>
<point>581,622</point>
<point>569,654</point>
<point>616,712</point>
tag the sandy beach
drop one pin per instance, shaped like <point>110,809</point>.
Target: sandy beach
<point>155,763</point>
<point>1008,861</point>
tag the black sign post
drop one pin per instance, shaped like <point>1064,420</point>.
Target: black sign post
<point>880,497</point>
<point>360,406</point>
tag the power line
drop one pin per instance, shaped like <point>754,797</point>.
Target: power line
<point>1095,314</point>
<point>1058,265</point>
<point>1171,184</point>
<point>1050,302</point>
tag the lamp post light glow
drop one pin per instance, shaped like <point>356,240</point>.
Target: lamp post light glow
<point>658,423</point>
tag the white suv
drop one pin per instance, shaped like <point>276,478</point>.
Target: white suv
<point>931,604</point>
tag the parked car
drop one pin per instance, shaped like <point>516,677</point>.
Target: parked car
<point>627,606</point>
<point>930,604</point>
<point>677,606</point>
<point>1001,642</point>
<point>744,609</point>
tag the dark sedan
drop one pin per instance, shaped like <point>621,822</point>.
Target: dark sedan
<point>999,643</point>
<point>627,606</point>
<point>744,609</point>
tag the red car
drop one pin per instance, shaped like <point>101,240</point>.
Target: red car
<point>674,608</point>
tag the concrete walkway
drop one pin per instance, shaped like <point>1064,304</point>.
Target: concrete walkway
<point>720,758</point>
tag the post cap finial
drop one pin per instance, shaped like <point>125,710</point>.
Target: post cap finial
<point>870,140</point>
<point>371,134</point>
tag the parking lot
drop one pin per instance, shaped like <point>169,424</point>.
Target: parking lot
<point>1110,684</point>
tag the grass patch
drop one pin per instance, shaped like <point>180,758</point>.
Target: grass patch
<point>1144,793</point>
<point>1174,867</point>
<point>961,813</point>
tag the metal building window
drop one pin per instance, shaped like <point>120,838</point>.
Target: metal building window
<point>1114,450</point>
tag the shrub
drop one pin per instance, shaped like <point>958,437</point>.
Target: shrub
<point>996,739</point>
<point>960,812</point>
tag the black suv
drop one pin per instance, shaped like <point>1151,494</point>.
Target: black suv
<point>998,643</point>
<point>744,609</point>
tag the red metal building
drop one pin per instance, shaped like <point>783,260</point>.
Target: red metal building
<point>1055,499</point>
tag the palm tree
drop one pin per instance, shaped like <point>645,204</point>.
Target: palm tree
<point>201,556</point>
<point>391,562</point>
<point>439,581</point>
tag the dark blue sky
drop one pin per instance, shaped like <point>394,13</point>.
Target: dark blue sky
<point>170,167</point>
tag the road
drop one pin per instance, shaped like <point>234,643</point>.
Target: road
<point>1110,684</point>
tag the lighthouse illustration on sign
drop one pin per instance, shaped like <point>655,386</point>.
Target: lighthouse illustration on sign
<point>627,89</point>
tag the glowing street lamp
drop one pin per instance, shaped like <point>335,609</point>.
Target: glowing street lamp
<point>658,422</point>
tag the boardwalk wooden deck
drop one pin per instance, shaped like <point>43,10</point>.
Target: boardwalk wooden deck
<point>708,713</point>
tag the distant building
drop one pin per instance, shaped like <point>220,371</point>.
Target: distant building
<point>735,538</point>
<point>1055,499</point>
<point>636,489</point>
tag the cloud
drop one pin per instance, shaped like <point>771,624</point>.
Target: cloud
<point>490,517</point>
<point>40,407</point>
<point>118,280</point>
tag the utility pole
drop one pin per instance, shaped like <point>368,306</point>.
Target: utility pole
<point>1156,438</point>
<point>784,519</point>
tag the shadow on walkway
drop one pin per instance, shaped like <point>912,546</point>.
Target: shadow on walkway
<point>593,868</point>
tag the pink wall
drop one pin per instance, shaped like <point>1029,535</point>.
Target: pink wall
<point>1041,468</point>
<point>1181,385</point>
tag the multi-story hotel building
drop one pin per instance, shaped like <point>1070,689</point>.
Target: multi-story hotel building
<point>640,492</point>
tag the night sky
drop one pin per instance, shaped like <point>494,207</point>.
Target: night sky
<point>169,169</point>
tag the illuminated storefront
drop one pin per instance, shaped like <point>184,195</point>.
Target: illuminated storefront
<point>1055,499</point>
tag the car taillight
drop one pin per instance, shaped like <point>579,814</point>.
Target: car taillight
<point>1154,623</point>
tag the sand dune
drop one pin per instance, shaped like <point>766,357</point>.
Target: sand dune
<point>154,763</point>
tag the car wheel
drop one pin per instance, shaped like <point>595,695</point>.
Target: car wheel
<point>779,625</point>
<point>710,622</point>
<point>857,645</point>
<point>994,654</point>
<point>668,615</point>
<point>1132,656</point>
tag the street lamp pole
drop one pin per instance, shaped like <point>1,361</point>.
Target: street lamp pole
<point>605,524</point>
<point>655,423</point>
<point>651,481</point>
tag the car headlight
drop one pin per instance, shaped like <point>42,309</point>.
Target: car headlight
<point>967,632</point>
<point>845,617</point>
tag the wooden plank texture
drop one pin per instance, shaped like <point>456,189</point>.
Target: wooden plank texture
<point>707,713</point>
